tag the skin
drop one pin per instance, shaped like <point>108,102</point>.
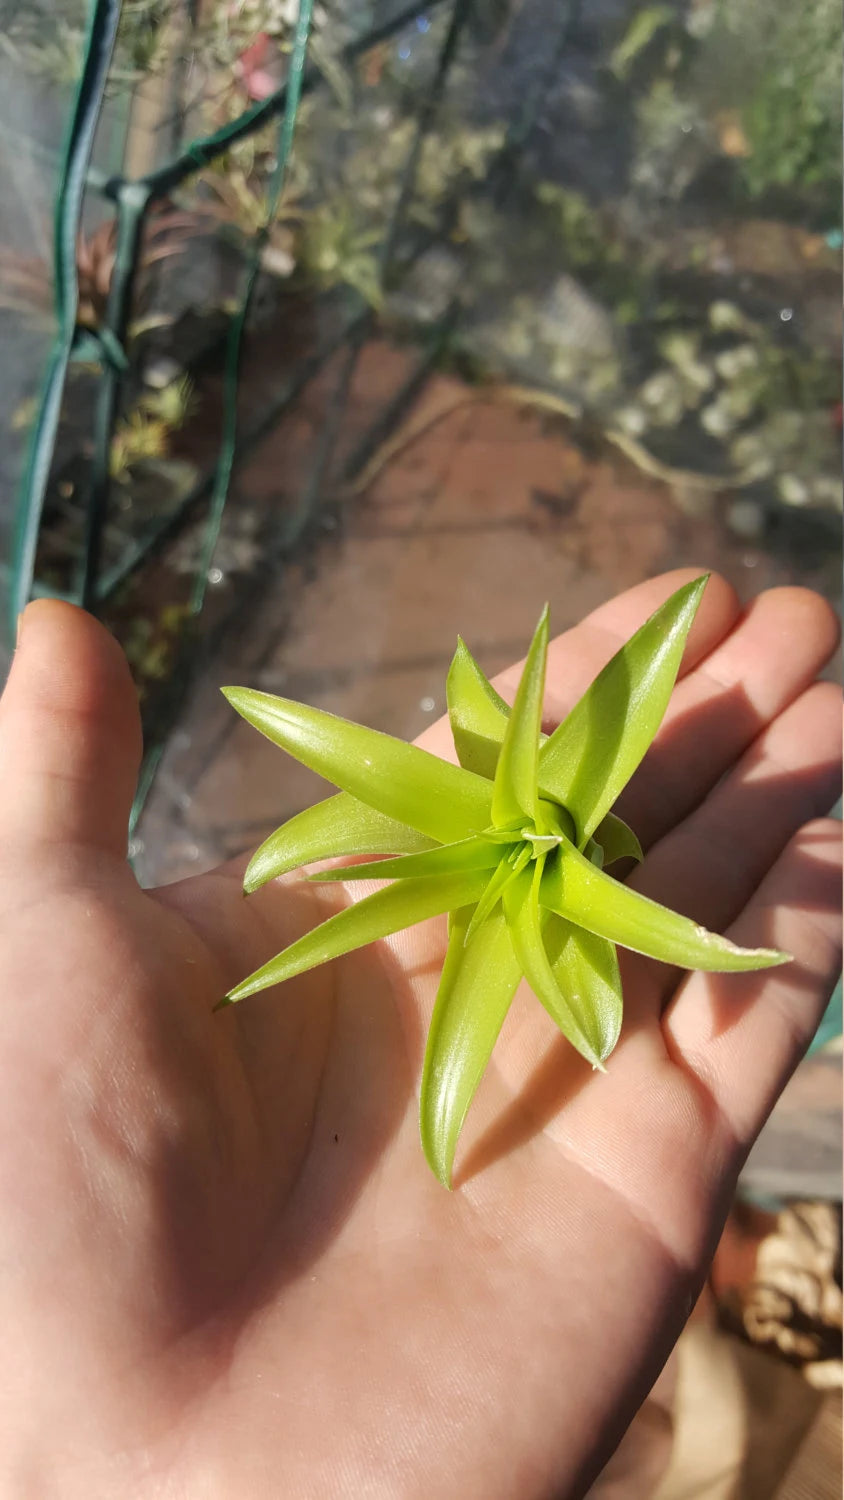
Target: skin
<point>225,1269</point>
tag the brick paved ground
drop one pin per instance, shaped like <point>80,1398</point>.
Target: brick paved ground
<point>470,528</point>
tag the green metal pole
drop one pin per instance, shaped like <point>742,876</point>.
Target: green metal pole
<point>103,17</point>
<point>225,466</point>
<point>132,204</point>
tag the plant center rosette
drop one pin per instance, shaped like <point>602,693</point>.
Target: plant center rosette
<point>514,844</point>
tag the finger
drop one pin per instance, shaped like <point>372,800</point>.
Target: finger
<point>775,651</point>
<point>743,1034</point>
<point>710,865</point>
<point>576,657</point>
<point>70,738</point>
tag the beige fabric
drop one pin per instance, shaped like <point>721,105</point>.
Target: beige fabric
<point>816,1471</point>
<point>642,1457</point>
<point>710,1419</point>
<point>747,1407</point>
<point>725,1422</point>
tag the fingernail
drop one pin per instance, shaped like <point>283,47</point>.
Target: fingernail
<point>19,628</point>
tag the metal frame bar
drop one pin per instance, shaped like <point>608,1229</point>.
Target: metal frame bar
<point>103,17</point>
<point>132,206</point>
<point>200,153</point>
<point>237,327</point>
<point>159,534</point>
<point>353,332</point>
<point>132,198</point>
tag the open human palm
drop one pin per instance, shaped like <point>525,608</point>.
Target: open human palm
<point>225,1268</point>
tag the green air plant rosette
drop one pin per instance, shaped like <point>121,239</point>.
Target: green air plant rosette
<point>512,843</point>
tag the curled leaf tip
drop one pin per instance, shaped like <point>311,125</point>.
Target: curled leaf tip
<point>769,958</point>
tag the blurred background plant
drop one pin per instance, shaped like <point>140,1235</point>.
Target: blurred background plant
<point>335,251</point>
<point>26,282</point>
<point>146,430</point>
<point>47,41</point>
<point>778,69</point>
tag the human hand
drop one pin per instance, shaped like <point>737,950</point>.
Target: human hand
<point>225,1268</point>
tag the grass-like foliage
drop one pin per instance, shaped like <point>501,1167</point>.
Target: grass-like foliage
<point>513,843</point>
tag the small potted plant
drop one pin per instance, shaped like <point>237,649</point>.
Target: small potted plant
<point>514,843</point>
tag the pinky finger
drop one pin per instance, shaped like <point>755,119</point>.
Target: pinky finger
<point>743,1034</point>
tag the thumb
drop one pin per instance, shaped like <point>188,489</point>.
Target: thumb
<point>70,734</point>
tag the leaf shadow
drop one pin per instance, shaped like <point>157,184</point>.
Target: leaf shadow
<point>232,1242</point>
<point>556,1080</point>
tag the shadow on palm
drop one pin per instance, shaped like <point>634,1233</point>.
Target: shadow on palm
<point>307,1085</point>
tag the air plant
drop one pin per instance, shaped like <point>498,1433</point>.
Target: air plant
<point>146,431</point>
<point>335,251</point>
<point>241,204</point>
<point>513,843</point>
<point>27,280</point>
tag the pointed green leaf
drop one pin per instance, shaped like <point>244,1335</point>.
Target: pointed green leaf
<point>581,1026</point>
<point>594,853</point>
<point>478,714</point>
<point>479,717</point>
<point>515,793</point>
<point>556,818</point>
<point>397,779</point>
<point>617,840</point>
<point>468,854</point>
<point>593,753</point>
<point>376,916</point>
<point>573,887</point>
<point>458,926</point>
<point>478,983</point>
<point>586,970</point>
<point>501,877</point>
<point>339,825</point>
